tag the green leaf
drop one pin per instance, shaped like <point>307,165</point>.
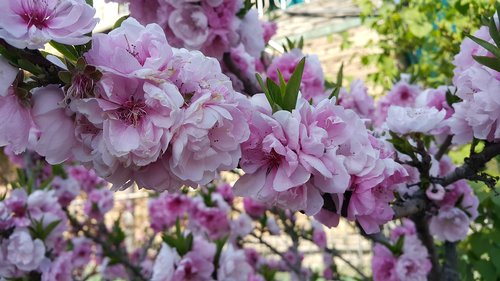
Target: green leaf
<point>282,84</point>
<point>274,91</point>
<point>451,98</point>
<point>493,63</point>
<point>494,32</point>
<point>402,145</point>
<point>293,86</point>
<point>30,67</point>
<point>219,244</point>
<point>90,2</point>
<point>300,45</point>
<point>68,51</point>
<point>337,86</point>
<point>487,45</point>
<point>119,22</point>
<point>117,235</point>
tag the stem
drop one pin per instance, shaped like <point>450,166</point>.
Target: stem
<point>422,225</point>
<point>443,148</point>
<point>275,251</point>
<point>450,267</point>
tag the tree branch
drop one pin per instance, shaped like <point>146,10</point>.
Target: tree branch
<point>472,165</point>
<point>422,225</point>
<point>450,266</point>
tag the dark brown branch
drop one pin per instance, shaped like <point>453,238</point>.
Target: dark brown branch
<point>422,226</point>
<point>250,88</point>
<point>443,148</point>
<point>450,266</point>
<point>472,165</point>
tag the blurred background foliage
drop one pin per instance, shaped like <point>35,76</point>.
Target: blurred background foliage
<point>419,37</point>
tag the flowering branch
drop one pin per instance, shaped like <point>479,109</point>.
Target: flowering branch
<point>120,257</point>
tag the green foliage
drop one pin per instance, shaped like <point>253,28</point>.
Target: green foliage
<point>420,37</point>
<point>293,44</point>
<point>337,85</point>
<point>182,244</point>
<point>283,96</point>
<point>480,252</point>
<point>38,230</point>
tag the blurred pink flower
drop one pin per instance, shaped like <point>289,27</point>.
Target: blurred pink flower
<point>450,224</point>
<point>24,252</point>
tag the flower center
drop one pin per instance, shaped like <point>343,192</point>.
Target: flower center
<point>132,111</point>
<point>36,13</point>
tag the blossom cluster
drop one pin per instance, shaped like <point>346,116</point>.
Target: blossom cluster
<point>297,159</point>
<point>158,116</point>
<point>398,261</point>
<point>477,115</point>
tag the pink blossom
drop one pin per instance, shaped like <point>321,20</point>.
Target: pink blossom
<point>435,98</point>
<point>358,100</point>
<point>272,226</point>
<point>60,269</point>
<point>270,29</point>
<point>8,74</point>
<point>5,217</point>
<point>65,189</point>
<point>226,191</point>
<point>211,220</point>
<point>412,268</point>
<point>189,23</point>
<point>402,94</point>
<point>146,11</point>
<point>164,266</point>
<point>319,236</point>
<point>241,226</point>
<point>17,205</point>
<point>254,208</point>
<point>132,49</point>
<point>99,202</point>
<point>87,178</point>
<point>244,62</point>
<point>17,122</point>
<point>55,128</point>
<point>477,115</point>
<point>383,264</point>
<point>312,86</point>
<point>166,209</point>
<point>212,109</point>
<point>404,120</point>
<point>435,192</point>
<point>450,224</point>
<point>252,34</point>
<point>291,159</point>
<point>233,265</point>
<point>24,252</point>
<point>82,250</point>
<point>31,24</point>
<point>406,229</point>
<point>196,265</point>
